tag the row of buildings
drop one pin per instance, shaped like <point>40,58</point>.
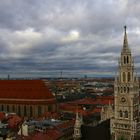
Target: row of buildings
<point>118,116</point>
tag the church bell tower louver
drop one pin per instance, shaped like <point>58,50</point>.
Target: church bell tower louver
<point>125,125</point>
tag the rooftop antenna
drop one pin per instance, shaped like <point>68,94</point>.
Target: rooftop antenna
<point>61,74</point>
<point>8,77</point>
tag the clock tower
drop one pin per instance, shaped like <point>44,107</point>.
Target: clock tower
<point>125,125</point>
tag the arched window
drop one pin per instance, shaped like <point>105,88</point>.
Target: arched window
<point>127,89</point>
<point>39,110</point>
<point>126,114</point>
<point>2,108</point>
<point>31,111</point>
<point>13,108</point>
<point>124,60</point>
<point>124,89</point>
<point>127,59</point>
<point>7,108</point>
<point>124,77</point>
<point>121,90</point>
<point>128,76</point>
<point>121,114</point>
<point>19,111</point>
<point>25,111</point>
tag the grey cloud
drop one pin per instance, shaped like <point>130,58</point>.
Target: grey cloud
<point>97,48</point>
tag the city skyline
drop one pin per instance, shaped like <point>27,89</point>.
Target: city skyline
<point>42,38</point>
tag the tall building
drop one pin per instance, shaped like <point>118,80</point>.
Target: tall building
<point>125,125</point>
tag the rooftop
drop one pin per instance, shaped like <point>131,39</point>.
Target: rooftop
<point>25,91</point>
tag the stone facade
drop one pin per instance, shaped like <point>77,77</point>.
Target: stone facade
<point>107,112</point>
<point>125,125</point>
<point>77,127</point>
<point>24,110</point>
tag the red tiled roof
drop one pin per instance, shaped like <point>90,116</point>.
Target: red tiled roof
<point>13,120</point>
<point>105,97</point>
<point>49,135</point>
<point>85,101</point>
<point>74,105</point>
<point>27,91</point>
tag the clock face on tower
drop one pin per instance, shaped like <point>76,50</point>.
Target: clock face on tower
<point>123,100</point>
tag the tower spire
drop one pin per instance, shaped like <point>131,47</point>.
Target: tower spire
<point>77,127</point>
<point>126,98</point>
<point>125,42</point>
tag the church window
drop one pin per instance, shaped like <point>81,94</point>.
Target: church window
<point>124,60</point>
<point>126,114</point>
<point>25,111</point>
<point>121,90</point>
<point>124,89</point>
<point>19,111</point>
<point>124,77</point>
<point>127,89</point>
<point>31,111</point>
<point>7,108</point>
<point>121,114</point>
<point>13,108</point>
<point>128,76</point>
<point>2,108</point>
<point>127,59</point>
<point>39,110</point>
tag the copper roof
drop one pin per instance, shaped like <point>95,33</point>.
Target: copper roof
<point>24,91</point>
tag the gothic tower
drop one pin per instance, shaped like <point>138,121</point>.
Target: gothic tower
<point>125,125</point>
<point>77,127</point>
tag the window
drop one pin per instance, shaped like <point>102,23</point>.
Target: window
<point>2,108</point>
<point>121,114</point>
<point>25,111</point>
<point>124,60</point>
<point>127,89</point>
<point>39,110</point>
<point>19,111</point>
<point>127,59</point>
<point>7,108</point>
<point>124,77</point>
<point>124,89</point>
<point>128,76</point>
<point>121,89</point>
<point>31,111</point>
<point>126,114</point>
<point>13,108</point>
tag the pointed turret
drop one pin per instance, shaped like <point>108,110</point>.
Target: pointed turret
<point>126,98</point>
<point>125,42</point>
<point>77,127</point>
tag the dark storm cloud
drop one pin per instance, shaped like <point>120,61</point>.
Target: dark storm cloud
<point>75,36</point>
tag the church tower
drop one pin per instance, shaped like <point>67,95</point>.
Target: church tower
<point>125,125</point>
<point>77,127</point>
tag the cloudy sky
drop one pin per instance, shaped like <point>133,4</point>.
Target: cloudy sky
<point>78,37</point>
